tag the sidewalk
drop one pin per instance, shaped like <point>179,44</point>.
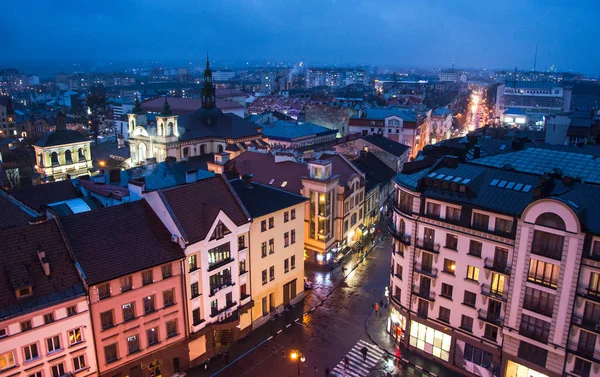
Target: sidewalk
<point>255,339</point>
<point>376,330</point>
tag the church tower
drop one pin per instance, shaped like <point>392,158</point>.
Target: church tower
<point>208,91</point>
<point>166,121</point>
<point>137,117</point>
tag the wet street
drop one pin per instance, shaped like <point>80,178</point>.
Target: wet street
<point>335,328</point>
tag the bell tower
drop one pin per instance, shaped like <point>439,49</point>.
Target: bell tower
<point>167,121</point>
<point>208,91</point>
<point>136,117</point>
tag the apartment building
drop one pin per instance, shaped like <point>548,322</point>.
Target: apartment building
<point>276,260</point>
<point>494,264</point>
<point>210,223</point>
<point>134,281</point>
<point>45,327</point>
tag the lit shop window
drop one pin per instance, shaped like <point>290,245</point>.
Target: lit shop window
<point>429,340</point>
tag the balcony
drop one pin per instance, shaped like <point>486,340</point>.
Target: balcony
<point>426,270</point>
<point>219,264</point>
<point>404,209</point>
<point>428,246</point>
<point>591,293</point>
<point>215,289</point>
<point>404,238</point>
<point>496,294</point>
<point>396,301</point>
<point>581,350</point>
<point>399,252</point>
<point>539,308</point>
<point>493,318</point>
<point>496,266</point>
<point>215,312</point>
<point>427,294</point>
<point>591,324</point>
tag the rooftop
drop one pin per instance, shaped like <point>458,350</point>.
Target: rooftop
<point>12,213</point>
<point>59,138</point>
<point>38,196</point>
<point>261,199</point>
<point>408,115</point>
<point>288,131</point>
<point>183,106</point>
<point>390,146</point>
<point>376,172</point>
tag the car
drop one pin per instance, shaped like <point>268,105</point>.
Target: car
<point>307,283</point>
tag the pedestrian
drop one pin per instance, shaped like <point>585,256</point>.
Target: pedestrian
<point>376,309</point>
<point>327,371</point>
<point>381,303</point>
<point>346,362</point>
<point>226,357</point>
<point>364,351</point>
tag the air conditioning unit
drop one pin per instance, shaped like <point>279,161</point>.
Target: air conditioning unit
<point>228,314</point>
<point>221,317</point>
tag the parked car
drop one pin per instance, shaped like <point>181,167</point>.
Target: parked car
<point>307,283</point>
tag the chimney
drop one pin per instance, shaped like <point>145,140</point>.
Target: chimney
<point>477,151</point>
<point>190,176</point>
<point>222,158</point>
<point>61,121</point>
<point>136,187</point>
<point>45,265</point>
<point>115,176</point>
<point>247,178</point>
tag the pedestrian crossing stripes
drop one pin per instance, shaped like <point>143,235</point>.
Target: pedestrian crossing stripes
<point>358,365</point>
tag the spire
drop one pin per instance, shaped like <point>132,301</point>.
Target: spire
<point>208,91</point>
<point>166,109</point>
<point>207,61</point>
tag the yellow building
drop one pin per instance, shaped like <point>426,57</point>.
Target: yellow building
<point>276,247</point>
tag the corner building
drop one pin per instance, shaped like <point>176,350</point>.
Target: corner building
<point>495,268</point>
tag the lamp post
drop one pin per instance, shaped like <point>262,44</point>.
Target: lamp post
<point>298,357</point>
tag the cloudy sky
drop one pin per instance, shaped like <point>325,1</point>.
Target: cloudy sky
<point>397,33</point>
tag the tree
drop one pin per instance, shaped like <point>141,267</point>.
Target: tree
<point>99,108</point>
<point>9,173</point>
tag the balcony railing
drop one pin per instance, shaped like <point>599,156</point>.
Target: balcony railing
<point>493,265</point>
<point>215,312</point>
<point>396,300</point>
<point>428,246</point>
<point>426,269</point>
<point>493,318</point>
<point>215,289</point>
<point>221,263</point>
<point>427,294</point>
<point>538,308</point>
<point>493,293</point>
<point>590,353</point>
<point>591,293</point>
<point>405,209</point>
<point>404,238</point>
<point>591,324</point>
<point>537,335</point>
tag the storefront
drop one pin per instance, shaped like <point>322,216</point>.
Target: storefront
<point>429,340</point>
<point>517,370</point>
<point>396,325</point>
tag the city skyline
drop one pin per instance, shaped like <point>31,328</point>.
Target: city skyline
<point>382,34</point>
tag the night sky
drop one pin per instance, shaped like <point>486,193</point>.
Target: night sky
<point>395,33</point>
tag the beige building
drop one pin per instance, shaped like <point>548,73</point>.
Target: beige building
<point>62,152</point>
<point>276,247</point>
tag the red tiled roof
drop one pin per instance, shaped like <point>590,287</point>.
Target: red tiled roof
<point>196,206</point>
<point>228,93</point>
<point>181,106</point>
<point>105,190</point>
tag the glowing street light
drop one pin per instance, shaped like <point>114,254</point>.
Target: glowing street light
<point>298,357</point>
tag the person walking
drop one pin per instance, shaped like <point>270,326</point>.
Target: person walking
<point>364,351</point>
<point>376,309</point>
<point>346,362</point>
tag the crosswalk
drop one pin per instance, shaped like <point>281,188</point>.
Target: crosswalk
<point>357,367</point>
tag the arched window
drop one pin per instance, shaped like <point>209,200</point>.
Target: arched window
<point>68,157</point>
<point>170,129</point>
<point>203,149</point>
<point>161,129</point>
<point>186,152</point>
<point>219,148</point>
<point>142,153</point>
<point>402,228</point>
<point>54,159</point>
<point>551,220</point>
<point>81,154</point>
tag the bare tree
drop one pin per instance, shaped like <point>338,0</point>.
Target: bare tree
<point>99,108</point>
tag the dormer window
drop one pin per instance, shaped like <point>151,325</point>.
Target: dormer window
<point>220,232</point>
<point>24,292</point>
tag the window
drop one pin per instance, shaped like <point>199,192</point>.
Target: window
<point>48,318</point>
<point>551,220</point>
<point>503,227</point>
<point>538,301</point>
<point>75,336</point>
<point>286,265</point>
<point>196,317</point>
<point>147,277</point>
<point>243,292</point>
<point>353,219</point>
<point>152,335</point>
<point>148,304</point>
<point>58,370</point>
<point>110,353</point>
<point>264,277</point>
<point>406,203</point>
<point>167,271</point>
<point>26,326</point>
<point>582,367</point>
<point>7,360</point>
<point>477,356</point>
<point>271,222</point>
<point>220,231</point>
<point>475,248</point>
<point>53,344</point>
<point>126,283</point>
<point>596,250</point>
<point>433,210</point>
<point>71,310</point>
<point>194,290</point>
<point>192,263</point>
<point>214,307</point>
<point>106,319</point>
<point>171,329</point>
<point>169,298</point>
<point>272,273</point>
<point>466,323</point>
<point>481,221</point>
<point>532,354</point>
<point>447,290</point>
<point>452,214</point>
<point>286,239</point>
<point>31,352</point>
<point>242,266</point>
<point>543,273</point>
<point>534,328</point>
<point>241,242</point>
<point>449,266</point>
<point>78,362</point>
<point>451,241</point>
<point>271,246</point>
<point>293,235</point>
<point>547,244</point>
<point>219,255</point>
<point>128,311</point>
<point>133,344</point>
<point>293,214</point>
<point>423,308</point>
<point>265,309</point>
<point>490,332</point>
<point>104,291</point>
<point>470,299</point>
<point>345,226</point>
<point>263,249</point>
<point>3,333</point>
<point>293,261</point>
<point>472,273</point>
<point>263,226</point>
<point>444,314</point>
<point>286,216</point>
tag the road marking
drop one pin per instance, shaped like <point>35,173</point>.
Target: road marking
<point>356,366</point>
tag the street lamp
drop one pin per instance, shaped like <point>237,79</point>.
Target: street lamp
<point>297,356</point>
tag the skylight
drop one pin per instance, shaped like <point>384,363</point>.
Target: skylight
<point>518,186</point>
<point>271,181</point>
<point>510,185</point>
<point>502,183</point>
<point>284,184</point>
<point>465,181</point>
<point>494,182</point>
<point>432,175</point>
<point>526,188</point>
